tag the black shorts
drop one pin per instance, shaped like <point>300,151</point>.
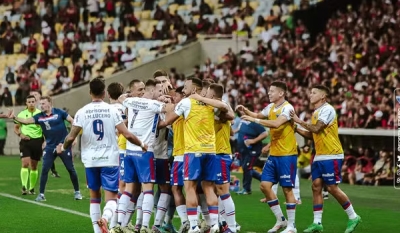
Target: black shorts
<point>31,148</point>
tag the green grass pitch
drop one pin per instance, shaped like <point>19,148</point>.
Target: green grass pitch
<point>379,207</point>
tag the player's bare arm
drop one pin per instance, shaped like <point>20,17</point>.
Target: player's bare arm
<point>317,128</point>
<point>246,111</point>
<point>168,109</point>
<point>73,134</point>
<point>268,123</point>
<point>257,139</point>
<point>213,102</point>
<point>130,137</point>
<point>26,121</point>
<point>304,133</point>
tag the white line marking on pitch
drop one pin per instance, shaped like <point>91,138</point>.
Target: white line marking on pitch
<point>45,205</point>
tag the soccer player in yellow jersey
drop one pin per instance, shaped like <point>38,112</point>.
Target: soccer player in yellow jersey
<point>199,158</point>
<point>327,163</point>
<point>224,157</point>
<point>281,165</point>
<point>177,166</point>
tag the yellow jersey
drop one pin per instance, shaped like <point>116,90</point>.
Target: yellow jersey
<point>222,137</point>
<point>198,126</point>
<point>327,142</point>
<point>283,140</point>
<point>121,142</point>
<point>178,139</point>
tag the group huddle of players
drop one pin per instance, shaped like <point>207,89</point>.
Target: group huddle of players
<point>201,126</point>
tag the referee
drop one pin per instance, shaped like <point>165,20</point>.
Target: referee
<point>30,146</point>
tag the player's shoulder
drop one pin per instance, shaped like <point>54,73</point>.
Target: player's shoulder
<point>288,105</point>
<point>327,107</point>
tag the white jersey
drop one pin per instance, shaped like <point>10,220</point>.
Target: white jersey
<point>99,144</point>
<point>161,142</point>
<point>143,116</point>
<point>121,109</point>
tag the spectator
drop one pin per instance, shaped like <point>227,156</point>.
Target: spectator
<point>6,98</point>
<point>10,76</point>
<point>128,58</point>
<point>93,8</point>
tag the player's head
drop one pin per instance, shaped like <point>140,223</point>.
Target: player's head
<point>136,88</point>
<point>115,90</point>
<point>153,88</point>
<point>178,95</point>
<point>192,85</point>
<point>45,103</point>
<point>319,93</point>
<point>36,94</point>
<point>277,91</point>
<point>215,91</point>
<point>31,102</point>
<point>205,85</point>
<point>161,75</point>
<point>97,88</point>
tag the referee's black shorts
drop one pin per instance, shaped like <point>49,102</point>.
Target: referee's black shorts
<point>31,148</point>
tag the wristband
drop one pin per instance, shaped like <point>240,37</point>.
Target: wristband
<point>257,121</point>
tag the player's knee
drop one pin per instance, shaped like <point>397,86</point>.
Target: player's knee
<point>333,188</point>
<point>316,187</point>
<point>265,187</point>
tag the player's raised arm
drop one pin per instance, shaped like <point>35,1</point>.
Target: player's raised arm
<point>321,124</point>
<point>246,111</point>
<point>282,119</point>
<point>23,121</point>
<point>122,98</point>
<point>169,108</point>
<point>181,109</point>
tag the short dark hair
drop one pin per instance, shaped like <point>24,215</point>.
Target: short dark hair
<point>115,90</point>
<point>280,84</point>
<point>218,89</point>
<point>179,90</point>
<point>30,97</point>
<point>322,88</point>
<point>48,98</point>
<point>159,73</point>
<point>152,83</point>
<point>97,86</point>
<point>131,83</point>
<point>197,82</point>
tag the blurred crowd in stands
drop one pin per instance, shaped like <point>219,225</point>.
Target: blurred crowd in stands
<point>357,56</point>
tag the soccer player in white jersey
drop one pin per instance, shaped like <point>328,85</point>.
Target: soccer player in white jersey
<point>143,116</point>
<point>98,121</point>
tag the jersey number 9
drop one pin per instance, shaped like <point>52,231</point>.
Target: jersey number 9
<point>98,129</point>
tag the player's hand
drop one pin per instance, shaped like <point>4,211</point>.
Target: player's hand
<point>144,148</point>
<point>249,142</point>
<point>59,148</point>
<point>247,118</point>
<point>167,87</point>
<point>24,137</point>
<point>294,117</point>
<point>240,108</point>
<point>10,113</point>
<point>265,149</point>
<point>165,99</point>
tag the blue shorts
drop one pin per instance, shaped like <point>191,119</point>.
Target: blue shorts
<point>280,169</point>
<point>177,173</point>
<point>106,177</point>
<point>162,171</point>
<point>224,172</point>
<point>200,166</point>
<point>139,167</point>
<point>121,165</point>
<point>328,170</point>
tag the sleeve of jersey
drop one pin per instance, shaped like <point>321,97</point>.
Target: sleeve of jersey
<point>327,115</point>
<point>78,119</point>
<point>183,108</point>
<point>126,102</point>
<point>266,110</point>
<point>286,111</point>
<point>116,116</point>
